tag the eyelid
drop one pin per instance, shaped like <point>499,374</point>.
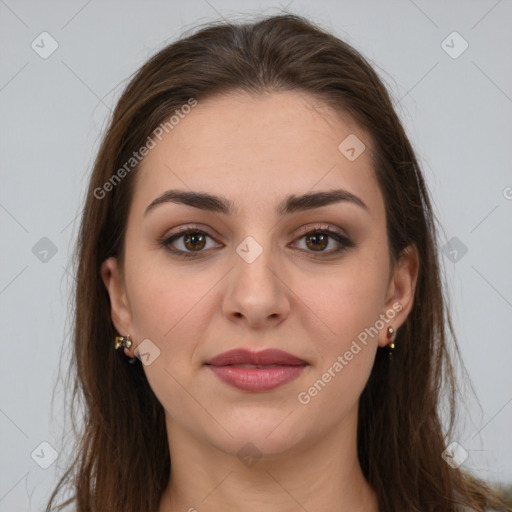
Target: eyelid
<point>321,227</point>
<point>189,227</point>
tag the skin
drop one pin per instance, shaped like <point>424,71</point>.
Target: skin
<point>256,150</point>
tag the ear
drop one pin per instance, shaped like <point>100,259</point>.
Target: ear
<point>402,285</point>
<point>120,311</point>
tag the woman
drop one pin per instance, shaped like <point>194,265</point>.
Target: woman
<point>259,246</point>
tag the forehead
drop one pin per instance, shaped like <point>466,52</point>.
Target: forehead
<point>259,148</point>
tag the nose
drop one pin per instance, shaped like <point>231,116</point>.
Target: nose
<point>256,291</point>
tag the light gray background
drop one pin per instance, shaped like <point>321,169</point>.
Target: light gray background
<point>456,111</point>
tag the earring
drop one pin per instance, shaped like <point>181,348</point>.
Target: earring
<point>391,335</point>
<point>122,342</point>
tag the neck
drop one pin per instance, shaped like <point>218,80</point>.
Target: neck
<point>326,476</point>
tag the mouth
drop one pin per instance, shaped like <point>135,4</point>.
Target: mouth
<point>256,371</point>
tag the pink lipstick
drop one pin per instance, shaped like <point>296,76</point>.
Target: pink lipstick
<point>256,371</point>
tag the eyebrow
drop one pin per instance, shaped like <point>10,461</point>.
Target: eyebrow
<point>290,204</point>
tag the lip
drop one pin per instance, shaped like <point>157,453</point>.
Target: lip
<point>256,371</point>
<point>261,358</point>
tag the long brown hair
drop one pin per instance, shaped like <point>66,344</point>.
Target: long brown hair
<point>121,461</point>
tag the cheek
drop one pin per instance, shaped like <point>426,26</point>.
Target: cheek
<point>346,355</point>
<point>172,307</point>
<point>334,390</point>
<point>171,310</point>
<point>347,300</point>
<point>349,305</point>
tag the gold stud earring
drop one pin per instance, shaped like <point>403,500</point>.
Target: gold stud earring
<point>122,342</point>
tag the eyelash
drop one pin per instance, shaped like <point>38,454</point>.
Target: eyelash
<point>338,237</point>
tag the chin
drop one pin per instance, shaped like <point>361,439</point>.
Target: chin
<point>258,432</point>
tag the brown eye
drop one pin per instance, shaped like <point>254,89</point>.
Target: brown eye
<point>194,241</point>
<point>187,243</point>
<point>317,241</point>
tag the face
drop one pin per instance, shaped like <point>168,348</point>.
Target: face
<point>255,275</point>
